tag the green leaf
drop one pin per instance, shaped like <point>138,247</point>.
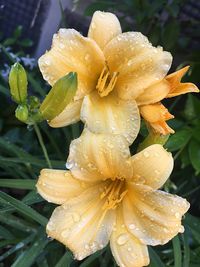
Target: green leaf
<point>18,246</point>
<point>18,31</point>
<point>27,258</point>
<point>18,83</point>
<point>65,261</point>
<point>18,183</point>
<point>177,252</point>
<point>155,259</point>
<point>59,96</point>
<point>194,153</point>
<point>178,140</point>
<point>193,224</point>
<point>192,108</point>
<point>23,208</point>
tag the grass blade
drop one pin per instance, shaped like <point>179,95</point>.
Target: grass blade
<point>177,252</point>
<point>18,183</point>
<point>23,208</point>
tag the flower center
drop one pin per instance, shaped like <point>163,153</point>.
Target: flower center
<point>106,82</point>
<point>114,192</point>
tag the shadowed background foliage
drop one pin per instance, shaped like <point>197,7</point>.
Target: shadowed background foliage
<point>23,213</point>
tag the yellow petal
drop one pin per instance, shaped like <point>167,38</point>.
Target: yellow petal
<point>178,88</point>
<point>127,250</point>
<point>153,216</point>
<point>99,156</point>
<point>137,62</point>
<point>58,186</point>
<point>152,166</point>
<point>81,224</point>
<point>111,115</point>
<point>69,115</point>
<point>154,93</point>
<point>156,116</point>
<point>72,52</point>
<point>103,28</point>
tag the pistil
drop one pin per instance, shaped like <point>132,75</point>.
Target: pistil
<point>106,82</point>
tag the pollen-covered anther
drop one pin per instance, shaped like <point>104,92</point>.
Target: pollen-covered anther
<point>106,82</point>
<point>114,193</point>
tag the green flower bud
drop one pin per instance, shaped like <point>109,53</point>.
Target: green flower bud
<point>21,113</point>
<point>18,83</point>
<point>59,96</point>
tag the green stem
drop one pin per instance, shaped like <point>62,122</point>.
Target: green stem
<point>40,139</point>
<point>153,138</point>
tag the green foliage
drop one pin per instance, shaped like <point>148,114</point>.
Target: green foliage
<point>24,151</point>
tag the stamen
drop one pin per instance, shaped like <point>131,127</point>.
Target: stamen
<point>114,194</point>
<point>106,82</point>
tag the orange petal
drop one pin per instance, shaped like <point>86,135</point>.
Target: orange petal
<point>157,115</point>
<point>178,88</point>
<point>154,93</point>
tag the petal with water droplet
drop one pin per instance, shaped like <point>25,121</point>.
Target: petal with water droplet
<point>99,157</point>
<point>58,186</point>
<point>126,248</point>
<point>69,115</point>
<point>154,164</point>
<point>111,115</point>
<point>138,63</point>
<point>103,28</point>
<point>71,57</point>
<point>81,224</point>
<point>156,215</point>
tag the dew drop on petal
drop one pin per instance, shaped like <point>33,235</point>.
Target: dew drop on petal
<point>69,165</point>
<point>76,217</point>
<point>65,233</point>
<point>146,154</point>
<point>131,226</point>
<point>122,239</point>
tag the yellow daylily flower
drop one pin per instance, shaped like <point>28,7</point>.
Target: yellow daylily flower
<point>113,69</point>
<point>154,113</point>
<point>109,195</point>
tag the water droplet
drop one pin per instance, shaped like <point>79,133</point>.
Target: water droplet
<point>131,226</point>
<point>129,249</point>
<point>65,233</point>
<point>76,217</point>
<point>157,172</point>
<point>29,127</point>
<point>129,62</point>
<point>93,26</point>
<point>69,165</point>
<point>61,45</point>
<point>122,239</point>
<point>181,229</point>
<point>87,57</point>
<point>87,246</point>
<point>146,154</point>
<point>177,215</point>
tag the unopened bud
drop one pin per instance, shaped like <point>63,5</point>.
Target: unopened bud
<point>59,96</point>
<point>18,83</point>
<point>21,113</point>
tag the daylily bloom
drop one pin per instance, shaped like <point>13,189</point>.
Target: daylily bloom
<point>109,195</point>
<point>154,113</point>
<point>113,68</point>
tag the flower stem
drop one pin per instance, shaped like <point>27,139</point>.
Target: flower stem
<point>153,138</point>
<point>41,141</point>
